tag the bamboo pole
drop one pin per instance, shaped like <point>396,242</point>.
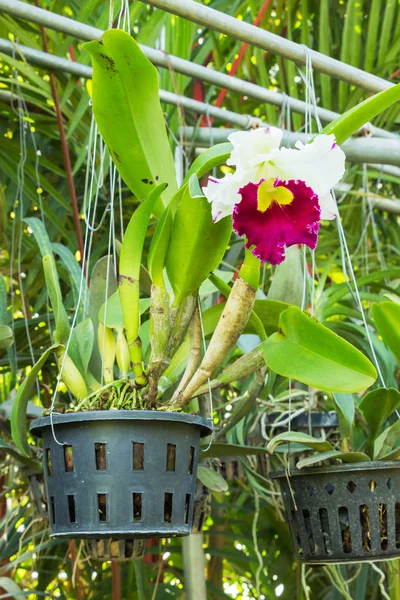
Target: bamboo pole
<point>193,567</point>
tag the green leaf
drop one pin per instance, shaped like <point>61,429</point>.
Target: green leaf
<point>346,457</point>
<point>299,438</point>
<point>61,332</point>
<point>81,346</point>
<point>110,313</point>
<point>218,450</point>
<point>307,351</point>
<point>386,316</point>
<point>376,407</point>
<point>51,276</point>
<point>353,119</point>
<point>197,245</point>
<point>387,445</point>
<point>23,395</point>
<point>346,410</point>
<point>78,284</point>
<point>128,113</point>
<point>99,287</point>
<point>211,479</point>
<point>11,588</point>
<point>129,271</point>
<point>32,464</point>
<point>209,159</point>
<point>6,337</point>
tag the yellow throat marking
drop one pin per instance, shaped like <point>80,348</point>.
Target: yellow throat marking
<point>267,194</point>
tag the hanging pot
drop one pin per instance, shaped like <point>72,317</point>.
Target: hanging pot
<point>343,513</point>
<point>121,473</point>
<point>118,550</point>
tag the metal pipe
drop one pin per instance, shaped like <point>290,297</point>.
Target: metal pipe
<point>358,150</point>
<point>68,26</point>
<point>56,63</point>
<point>245,32</point>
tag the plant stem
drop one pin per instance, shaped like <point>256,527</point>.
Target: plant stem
<point>139,567</point>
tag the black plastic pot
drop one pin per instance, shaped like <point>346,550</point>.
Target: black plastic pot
<point>315,420</point>
<point>118,550</point>
<point>121,473</point>
<point>343,513</point>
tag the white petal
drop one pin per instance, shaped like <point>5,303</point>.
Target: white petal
<point>320,164</point>
<point>223,194</point>
<point>328,207</point>
<point>251,147</point>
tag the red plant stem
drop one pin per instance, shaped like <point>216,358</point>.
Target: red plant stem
<point>64,147</point>
<point>116,580</point>
<point>242,51</point>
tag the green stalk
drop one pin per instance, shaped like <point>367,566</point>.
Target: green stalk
<point>106,343</point>
<point>70,375</point>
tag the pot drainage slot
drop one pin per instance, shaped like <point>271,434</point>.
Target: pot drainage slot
<point>191,460</point>
<point>397,523</point>
<point>100,454</point>
<point>345,529</point>
<point>187,506</point>
<point>326,532</point>
<point>102,507</point>
<point>383,526</point>
<point>137,506</point>
<point>171,457</point>
<point>307,524</point>
<point>138,456</point>
<point>168,507</point>
<point>71,508</point>
<point>365,528</point>
<point>49,464</point>
<point>52,510</point>
<point>68,459</point>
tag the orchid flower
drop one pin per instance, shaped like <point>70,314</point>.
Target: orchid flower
<point>277,196</point>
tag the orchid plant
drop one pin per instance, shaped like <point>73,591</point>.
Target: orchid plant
<point>275,198</point>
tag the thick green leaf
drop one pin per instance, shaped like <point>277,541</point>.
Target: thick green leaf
<point>218,450</point>
<point>387,445</point>
<point>23,395</point>
<point>299,438</point>
<point>376,407</point>
<point>346,410</point>
<point>346,457</point>
<point>110,313</point>
<point>197,245</point>
<point>81,346</point>
<point>128,113</point>
<point>386,316</point>
<point>210,158</point>
<point>305,350</point>
<point>160,241</point>
<point>130,262</point>
<point>99,289</point>
<point>6,337</point>
<point>352,120</point>
<point>211,479</point>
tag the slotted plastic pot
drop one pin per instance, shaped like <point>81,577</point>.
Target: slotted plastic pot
<point>343,513</point>
<point>121,473</point>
